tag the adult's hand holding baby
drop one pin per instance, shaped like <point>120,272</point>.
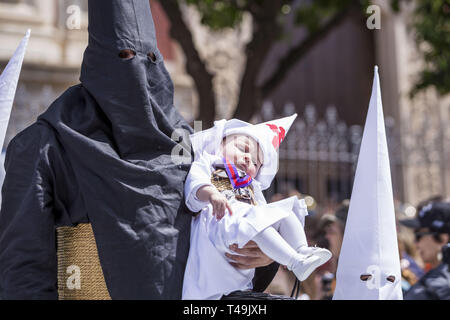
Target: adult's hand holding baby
<point>248,257</point>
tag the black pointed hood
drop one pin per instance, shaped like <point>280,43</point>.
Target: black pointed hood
<point>116,25</point>
<point>114,132</point>
<point>134,93</point>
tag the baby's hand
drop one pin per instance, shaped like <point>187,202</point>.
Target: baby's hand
<point>219,203</point>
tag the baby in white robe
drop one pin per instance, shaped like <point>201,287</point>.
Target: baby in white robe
<point>277,228</point>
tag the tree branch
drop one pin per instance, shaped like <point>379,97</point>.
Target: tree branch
<point>299,51</point>
<point>195,66</point>
<point>265,31</point>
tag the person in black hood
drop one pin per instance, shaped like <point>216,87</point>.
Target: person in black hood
<point>101,154</point>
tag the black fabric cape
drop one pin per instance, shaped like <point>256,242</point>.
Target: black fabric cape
<point>101,154</point>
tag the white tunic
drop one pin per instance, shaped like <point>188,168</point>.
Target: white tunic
<point>208,274</point>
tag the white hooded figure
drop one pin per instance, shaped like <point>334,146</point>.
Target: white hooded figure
<point>277,228</point>
<point>369,262</point>
<point>8,85</point>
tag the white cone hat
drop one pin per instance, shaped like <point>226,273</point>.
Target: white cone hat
<point>269,136</point>
<point>369,263</point>
<point>8,84</point>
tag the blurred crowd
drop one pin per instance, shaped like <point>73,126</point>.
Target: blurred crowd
<point>423,243</point>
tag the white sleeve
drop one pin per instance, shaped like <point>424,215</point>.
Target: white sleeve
<point>199,176</point>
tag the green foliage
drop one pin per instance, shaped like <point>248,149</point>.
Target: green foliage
<point>432,27</point>
<point>395,5</point>
<point>218,14</point>
<point>312,15</point>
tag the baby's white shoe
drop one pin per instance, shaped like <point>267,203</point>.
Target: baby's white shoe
<point>308,260</point>
<point>322,253</point>
<point>304,267</point>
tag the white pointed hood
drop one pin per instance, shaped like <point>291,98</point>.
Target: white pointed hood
<point>8,84</point>
<point>369,263</point>
<point>269,136</point>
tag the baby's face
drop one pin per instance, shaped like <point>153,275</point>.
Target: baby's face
<point>244,152</point>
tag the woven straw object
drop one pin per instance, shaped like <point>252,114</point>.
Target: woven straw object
<point>80,276</point>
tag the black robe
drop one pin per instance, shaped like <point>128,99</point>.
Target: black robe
<point>101,153</point>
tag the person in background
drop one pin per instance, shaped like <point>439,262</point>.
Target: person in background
<point>432,234</point>
<point>331,230</point>
<point>330,233</point>
<point>410,262</point>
